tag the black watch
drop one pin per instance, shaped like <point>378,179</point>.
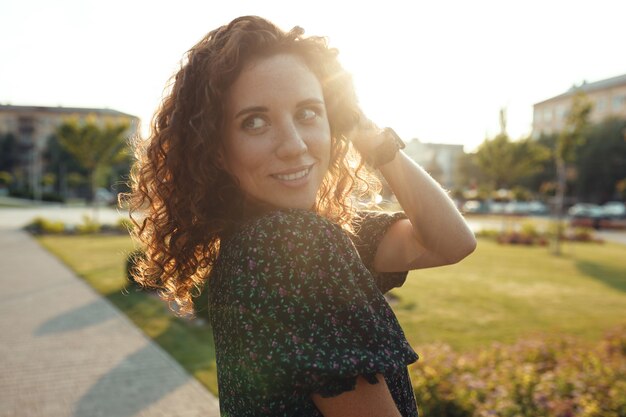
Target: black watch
<point>387,150</point>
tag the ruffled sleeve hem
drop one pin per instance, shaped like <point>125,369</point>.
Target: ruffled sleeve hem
<point>339,386</point>
<point>334,386</point>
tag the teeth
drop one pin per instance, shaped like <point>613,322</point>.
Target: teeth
<point>294,176</point>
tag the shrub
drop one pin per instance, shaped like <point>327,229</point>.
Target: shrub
<point>88,226</point>
<point>556,378</point>
<point>487,233</point>
<point>40,225</point>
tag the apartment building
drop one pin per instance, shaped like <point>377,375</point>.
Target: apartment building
<point>440,160</point>
<point>608,98</point>
<point>32,126</point>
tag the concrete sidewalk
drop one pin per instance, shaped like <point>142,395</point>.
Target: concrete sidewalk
<point>66,351</point>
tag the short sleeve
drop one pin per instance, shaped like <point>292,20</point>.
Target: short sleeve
<point>300,312</point>
<point>370,227</point>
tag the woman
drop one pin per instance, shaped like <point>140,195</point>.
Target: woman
<point>248,183</point>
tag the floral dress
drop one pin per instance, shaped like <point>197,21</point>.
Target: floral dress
<point>295,311</point>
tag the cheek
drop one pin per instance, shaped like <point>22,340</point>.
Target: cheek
<point>244,158</point>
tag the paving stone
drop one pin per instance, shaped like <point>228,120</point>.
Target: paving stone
<point>66,351</point>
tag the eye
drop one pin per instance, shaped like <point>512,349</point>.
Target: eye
<point>254,123</point>
<point>307,113</point>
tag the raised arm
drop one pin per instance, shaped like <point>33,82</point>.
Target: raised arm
<point>435,233</point>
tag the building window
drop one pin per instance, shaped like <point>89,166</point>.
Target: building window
<point>600,105</point>
<point>547,115</point>
<point>560,112</point>
<point>537,116</point>
<point>618,102</point>
<point>26,125</point>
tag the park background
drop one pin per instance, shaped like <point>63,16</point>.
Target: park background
<point>522,327</point>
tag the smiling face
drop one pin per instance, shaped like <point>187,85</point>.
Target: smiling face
<point>277,135</point>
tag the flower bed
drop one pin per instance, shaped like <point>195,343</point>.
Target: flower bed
<point>532,378</point>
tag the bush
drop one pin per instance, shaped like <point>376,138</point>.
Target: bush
<point>88,226</point>
<point>531,378</point>
<point>488,233</point>
<point>40,225</point>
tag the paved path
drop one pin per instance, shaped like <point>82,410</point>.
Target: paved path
<point>66,351</point>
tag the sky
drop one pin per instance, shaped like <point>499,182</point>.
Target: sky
<point>437,70</point>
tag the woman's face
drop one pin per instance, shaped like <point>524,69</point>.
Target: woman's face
<point>277,132</point>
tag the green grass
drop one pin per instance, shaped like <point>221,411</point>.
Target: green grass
<point>499,294</point>
<point>100,261</point>
<point>503,293</point>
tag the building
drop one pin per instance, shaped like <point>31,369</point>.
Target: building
<point>440,160</point>
<point>608,98</point>
<point>32,126</point>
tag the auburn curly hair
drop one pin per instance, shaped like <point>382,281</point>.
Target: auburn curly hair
<point>182,201</point>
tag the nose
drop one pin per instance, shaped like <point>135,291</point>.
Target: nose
<point>290,141</point>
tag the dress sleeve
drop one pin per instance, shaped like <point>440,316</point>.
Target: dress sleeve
<point>306,314</point>
<point>370,227</point>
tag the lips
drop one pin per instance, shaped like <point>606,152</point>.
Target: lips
<point>293,175</point>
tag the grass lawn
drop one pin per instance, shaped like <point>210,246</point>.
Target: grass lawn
<point>500,293</point>
<point>503,293</point>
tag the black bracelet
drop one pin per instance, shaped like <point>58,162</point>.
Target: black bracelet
<point>387,150</point>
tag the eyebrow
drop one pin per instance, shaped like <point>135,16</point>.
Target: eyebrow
<point>262,109</point>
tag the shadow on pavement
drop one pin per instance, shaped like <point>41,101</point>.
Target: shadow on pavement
<point>134,384</point>
<point>88,315</point>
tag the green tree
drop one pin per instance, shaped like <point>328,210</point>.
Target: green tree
<point>601,162</point>
<point>506,162</point>
<point>569,140</point>
<point>96,148</point>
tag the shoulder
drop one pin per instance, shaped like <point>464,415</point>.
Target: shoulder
<point>286,228</point>
<point>287,245</point>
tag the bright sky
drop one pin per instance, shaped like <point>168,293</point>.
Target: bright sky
<point>436,70</point>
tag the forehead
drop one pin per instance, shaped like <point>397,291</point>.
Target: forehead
<point>277,78</point>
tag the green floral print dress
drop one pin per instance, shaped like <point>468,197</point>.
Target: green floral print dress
<point>296,310</point>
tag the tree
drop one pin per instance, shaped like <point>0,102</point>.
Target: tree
<point>95,147</point>
<point>571,137</point>
<point>506,162</point>
<point>601,162</point>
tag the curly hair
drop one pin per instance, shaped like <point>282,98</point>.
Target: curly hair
<point>182,201</point>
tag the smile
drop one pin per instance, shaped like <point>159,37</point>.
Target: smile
<point>293,176</point>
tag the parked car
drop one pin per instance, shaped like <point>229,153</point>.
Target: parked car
<point>614,210</point>
<point>537,207</point>
<point>525,207</point>
<point>593,211</point>
<point>474,206</point>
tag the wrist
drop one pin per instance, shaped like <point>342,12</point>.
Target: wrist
<point>385,147</point>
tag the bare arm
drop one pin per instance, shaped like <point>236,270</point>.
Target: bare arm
<point>435,233</point>
<point>366,400</point>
